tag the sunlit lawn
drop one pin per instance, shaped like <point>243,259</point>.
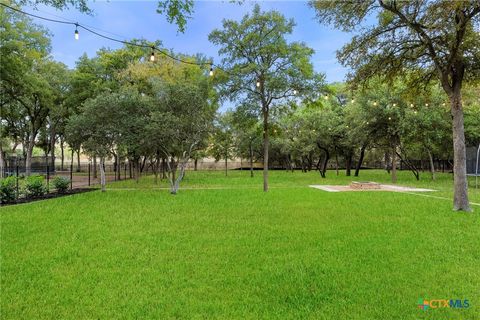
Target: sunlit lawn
<point>223,249</point>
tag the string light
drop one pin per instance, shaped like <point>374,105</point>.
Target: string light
<point>76,32</point>
<point>258,84</point>
<point>426,104</point>
<point>411,105</point>
<point>295,92</point>
<point>375,103</point>
<point>353,100</point>
<point>152,56</point>
<point>394,104</point>
<point>211,71</point>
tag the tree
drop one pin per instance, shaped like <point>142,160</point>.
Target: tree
<point>437,39</point>
<point>108,122</point>
<point>24,82</point>
<point>247,133</point>
<point>180,119</point>
<point>222,140</point>
<point>261,67</point>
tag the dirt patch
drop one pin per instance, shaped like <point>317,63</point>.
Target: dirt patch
<point>378,187</point>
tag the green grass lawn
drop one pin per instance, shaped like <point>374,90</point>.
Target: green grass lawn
<point>223,249</point>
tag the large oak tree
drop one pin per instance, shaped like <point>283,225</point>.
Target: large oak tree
<point>437,39</point>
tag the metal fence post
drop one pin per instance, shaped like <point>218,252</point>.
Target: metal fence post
<point>48,178</point>
<point>71,176</point>
<point>18,193</point>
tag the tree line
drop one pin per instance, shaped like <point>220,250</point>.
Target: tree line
<point>415,61</point>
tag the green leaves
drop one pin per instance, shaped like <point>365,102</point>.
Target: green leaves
<point>256,49</point>
<point>176,11</point>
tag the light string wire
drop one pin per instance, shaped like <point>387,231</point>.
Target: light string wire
<point>78,25</point>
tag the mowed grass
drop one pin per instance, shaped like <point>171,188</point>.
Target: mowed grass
<point>223,249</point>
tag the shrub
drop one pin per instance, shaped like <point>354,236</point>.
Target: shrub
<point>61,184</point>
<point>34,186</point>
<point>8,190</point>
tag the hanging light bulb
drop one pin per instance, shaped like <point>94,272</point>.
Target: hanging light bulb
<point>211,71</point>
<point>258,83</point>
<point>394,104</point>
<point>353,100</point>
<point>375,103</point>
<point>295,92</point>
<point>77,36</point>
<point>152,56</point>
<point>426,104</point>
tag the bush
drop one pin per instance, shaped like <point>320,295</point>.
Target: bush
<point>8,190</point>
<point>61,184</point>
<point>34,186</point>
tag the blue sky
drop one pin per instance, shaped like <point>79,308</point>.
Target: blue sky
<point>138,19</point>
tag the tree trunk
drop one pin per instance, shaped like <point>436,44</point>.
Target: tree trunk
<point>394,166</point>
<point>173,169</point>
<point>28,158</point>
<point>142,167</point>
<point>387,162</point>
<point>360,160</point>
<point>323,171</point>
<point>78,160</point>
<point>226,166</point>
<point>348,165</point>
<point>265,150</point>
<point>95,167</point>
<point>195,164</point>
<point>119,168</point>
<point>408,163</point>
<point>310,161</point>
<point>102,173</point>
<point>432,165</point>
<point>62,167</point>
<point>52,149</point>
<point>460,196</point>
<point>176,182</point>
<point>2,167</point>
<point>336,163</point>
<point>157,166</point>
<point>251,159</point>
<point>137,170</point>
<point>164,170</point>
